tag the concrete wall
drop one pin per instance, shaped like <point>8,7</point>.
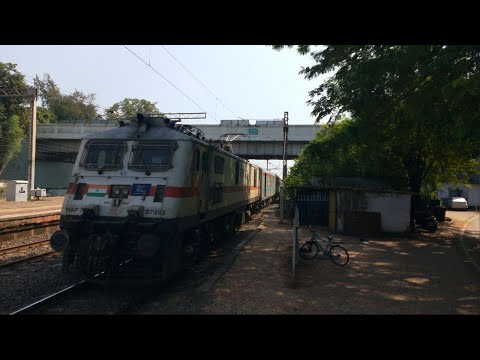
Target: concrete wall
<point>266,143</point>
<point>48,174</point>
<point>394,208</point>
<point>52,175</point>
<point>296,133</point>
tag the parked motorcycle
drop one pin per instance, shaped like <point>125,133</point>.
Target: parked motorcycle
<point>425,221</point>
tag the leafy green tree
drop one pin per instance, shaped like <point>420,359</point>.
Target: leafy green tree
<point>414,110</point>
<point>48,90</point>
<point>11,138</point>
<point>45,116</point>
<point>128,108</point>
<point>14,114</point>
<point>76,106</point>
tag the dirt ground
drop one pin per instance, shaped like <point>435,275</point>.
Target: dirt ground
<point>426,275</point>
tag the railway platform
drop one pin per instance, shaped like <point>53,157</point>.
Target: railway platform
<point>384,276</point>
<point>31,217</point>
<point>11,209</point>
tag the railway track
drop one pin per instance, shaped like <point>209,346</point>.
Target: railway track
<point>18,248</point>
<point>127,297</point>
<point>23,246</point>
<point>12,228</point>
<point>28,259</point>
<point>50,299</point>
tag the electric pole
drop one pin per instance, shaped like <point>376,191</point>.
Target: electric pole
<point>33,139</point>
<point>285,147</point>
<point>31,93</point>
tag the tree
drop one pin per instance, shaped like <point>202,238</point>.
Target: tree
<point>130,108</point>
<point>11,140</point>
<point>14,114</point>
<point>416,105</point>
<point>45,116</point>
<point>48,90</point>
<point>76,106</point>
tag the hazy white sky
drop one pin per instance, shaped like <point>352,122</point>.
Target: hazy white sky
<point>253,81</point>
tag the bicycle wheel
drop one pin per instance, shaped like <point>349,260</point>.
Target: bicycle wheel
<point>339,255</point>
<point>309,250</point>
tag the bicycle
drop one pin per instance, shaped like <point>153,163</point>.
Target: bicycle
<point>337,253</point>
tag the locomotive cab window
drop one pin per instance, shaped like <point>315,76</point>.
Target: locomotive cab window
<point>151,156</point>
<point>103,155</point>
<point>255,177</point>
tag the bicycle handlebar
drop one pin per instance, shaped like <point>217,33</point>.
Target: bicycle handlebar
<point>330,237</point>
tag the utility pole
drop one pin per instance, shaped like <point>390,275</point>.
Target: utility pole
<point>31,93</point>
<point>285,143</point>
<point>33,139</point>
<point>285,147</point>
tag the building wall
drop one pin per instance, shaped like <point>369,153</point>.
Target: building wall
<point>52,174</point>
<point>48,174</point>
<point>471,194</point>
<point>394,208</point>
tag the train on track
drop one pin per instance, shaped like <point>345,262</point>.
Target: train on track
<point>157,191</point>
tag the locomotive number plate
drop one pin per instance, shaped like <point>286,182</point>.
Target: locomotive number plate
<point>154,212</point>
<point>73,210</point>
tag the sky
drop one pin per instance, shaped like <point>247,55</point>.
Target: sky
<point>246,81</point>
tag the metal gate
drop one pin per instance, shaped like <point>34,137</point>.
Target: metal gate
<point>312,207</point>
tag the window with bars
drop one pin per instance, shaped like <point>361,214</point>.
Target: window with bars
<point>237,173</point>
<point>152,156</point>
<point>197,161</point>
<point>217,192</point>
<point>219,165</point>
<point>103,155</point>
<point>205,162</point>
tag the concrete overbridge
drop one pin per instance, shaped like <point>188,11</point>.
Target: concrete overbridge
<point>57,145</point>
<point>260,140</point>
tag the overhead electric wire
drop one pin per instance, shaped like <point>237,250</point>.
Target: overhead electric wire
<point>157,72</point>
<point>216,97</point>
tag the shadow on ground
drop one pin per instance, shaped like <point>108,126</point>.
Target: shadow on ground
<point>427,275</point>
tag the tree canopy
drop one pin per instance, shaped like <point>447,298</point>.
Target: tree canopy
<point>14,114</point>
<point>57,106</point>
<point>130,108</point>
<point>413,113</point>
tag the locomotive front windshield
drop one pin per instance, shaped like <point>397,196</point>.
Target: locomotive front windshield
<point>103,155</point>
<point>151,156</point>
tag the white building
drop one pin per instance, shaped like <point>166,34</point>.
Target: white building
<point>470,192</point>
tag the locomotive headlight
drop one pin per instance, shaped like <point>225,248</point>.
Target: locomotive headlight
<point>119,191</point>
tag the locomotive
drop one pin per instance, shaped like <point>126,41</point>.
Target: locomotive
<point>156,191</point>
